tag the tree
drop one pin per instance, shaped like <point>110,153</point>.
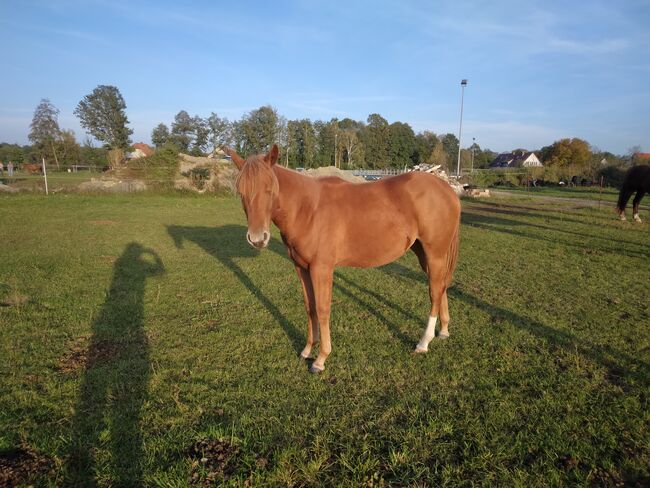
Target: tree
<point>450,145</point>
<point>401,144</point>
<point>568,152</point>
<point>303,141</point>
<point>44,130</point>
<point>351,148</point>
<point>182,133</point>
<point>201,135</point>
<point>160,135</point>
<point>69,149</point>
<point>438,156</point>
<point>220,131</point>
<point>103,114</point>
<point>424,144</point>
<point>375,139</point>
<point>327,140</point>
<point>257,130</point>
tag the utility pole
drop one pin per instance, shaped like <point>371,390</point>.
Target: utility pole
<point>463,84</point>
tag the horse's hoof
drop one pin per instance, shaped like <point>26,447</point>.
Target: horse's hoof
<point>419,350</point>
<point>315,369</point>
<point>637,219</point>
<point>443,336</point>
<point>305,358</point>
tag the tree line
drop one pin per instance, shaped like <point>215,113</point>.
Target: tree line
<point>346,143</point>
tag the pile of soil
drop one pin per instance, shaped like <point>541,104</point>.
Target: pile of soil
<point>212,459</point>
<point>213,173</point>
<point>112,185</point>
<point>22,464</point>
<point>334,171</point>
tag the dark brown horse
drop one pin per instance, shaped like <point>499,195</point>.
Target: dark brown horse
<point>637,179</point>
<point>327,222</point>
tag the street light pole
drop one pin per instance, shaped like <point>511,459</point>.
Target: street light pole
<point>463,84</point>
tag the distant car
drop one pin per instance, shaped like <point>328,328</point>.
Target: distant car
<point>300,169</point>
<point>372,177</point>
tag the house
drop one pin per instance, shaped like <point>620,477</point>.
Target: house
<point>641,158</point>
<point>140,150</point>
<point>516,159</point>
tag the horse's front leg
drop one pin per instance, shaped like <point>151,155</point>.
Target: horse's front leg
<point>310,308</point>
<point>321,279</point>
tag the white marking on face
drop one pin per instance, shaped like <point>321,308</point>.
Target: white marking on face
<point>429,334</point>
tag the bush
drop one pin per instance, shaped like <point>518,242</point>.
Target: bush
<point>612,175</point>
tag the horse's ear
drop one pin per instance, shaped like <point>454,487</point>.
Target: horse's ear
<point>272,156</point>
<point>236,158</point>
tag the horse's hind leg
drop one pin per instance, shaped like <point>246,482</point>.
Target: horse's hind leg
<point>635,205</point>
<point>444,316</point>
<point>437,289</point>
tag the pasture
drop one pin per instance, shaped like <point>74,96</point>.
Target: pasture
<point>144,342</point>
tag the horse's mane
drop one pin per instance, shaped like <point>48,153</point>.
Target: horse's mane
<point>254,172</point>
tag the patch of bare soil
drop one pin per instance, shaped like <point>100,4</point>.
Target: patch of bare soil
<point>81,355</point>
<point>14,299</point>
<point>21,464</point>
<point>212,460</point>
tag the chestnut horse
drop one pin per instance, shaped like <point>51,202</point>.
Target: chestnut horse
<point>327,222</point>
<point>637,179</point>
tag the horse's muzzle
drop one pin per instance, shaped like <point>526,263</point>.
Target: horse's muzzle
<point>257,241</point>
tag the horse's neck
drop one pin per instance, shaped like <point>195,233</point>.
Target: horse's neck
<point>296,200</point>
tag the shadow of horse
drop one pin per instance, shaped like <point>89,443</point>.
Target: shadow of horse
<point>619,365</point>
<point>114,383</point>
<point>226,244</point>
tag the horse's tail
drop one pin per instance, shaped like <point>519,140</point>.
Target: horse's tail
<point>452,254</point>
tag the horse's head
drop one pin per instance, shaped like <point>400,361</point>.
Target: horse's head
<point>257,186</point>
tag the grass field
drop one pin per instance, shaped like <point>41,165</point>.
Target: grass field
<point>143,342</point>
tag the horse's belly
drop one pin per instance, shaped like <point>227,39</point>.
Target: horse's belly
<point>376,251</point>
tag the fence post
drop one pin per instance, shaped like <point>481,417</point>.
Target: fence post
<point>45,177</point>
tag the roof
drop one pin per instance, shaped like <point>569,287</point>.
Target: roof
<point>145,148</point>
<point>642,155</point>
<point>511,159</point>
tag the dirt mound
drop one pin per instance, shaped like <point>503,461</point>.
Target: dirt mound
<point>205,174</point>
<point>333,171</point>
<point>84,355</point>
<point>7,189</point>
<point>212,460</point>
<point>21,464</point>
<point>112,185</point>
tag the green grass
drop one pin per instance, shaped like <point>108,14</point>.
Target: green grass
<point>587,193</point>
<point>135,326</point>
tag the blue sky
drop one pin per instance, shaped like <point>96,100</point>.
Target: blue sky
<point>538,71</point>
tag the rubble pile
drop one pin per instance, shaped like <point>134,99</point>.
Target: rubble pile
<point>442,174</point>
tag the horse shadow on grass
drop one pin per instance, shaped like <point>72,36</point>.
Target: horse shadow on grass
<point>227,243</point>
<point>498,224</point>
<point>115,378</point>
<point>620,366</point>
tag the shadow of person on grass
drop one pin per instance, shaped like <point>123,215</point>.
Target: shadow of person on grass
<point>228,243</point>
<point>106,435</point>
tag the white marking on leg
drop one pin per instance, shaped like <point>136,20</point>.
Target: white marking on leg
<point>637,218</point>
<point>429,334</point>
